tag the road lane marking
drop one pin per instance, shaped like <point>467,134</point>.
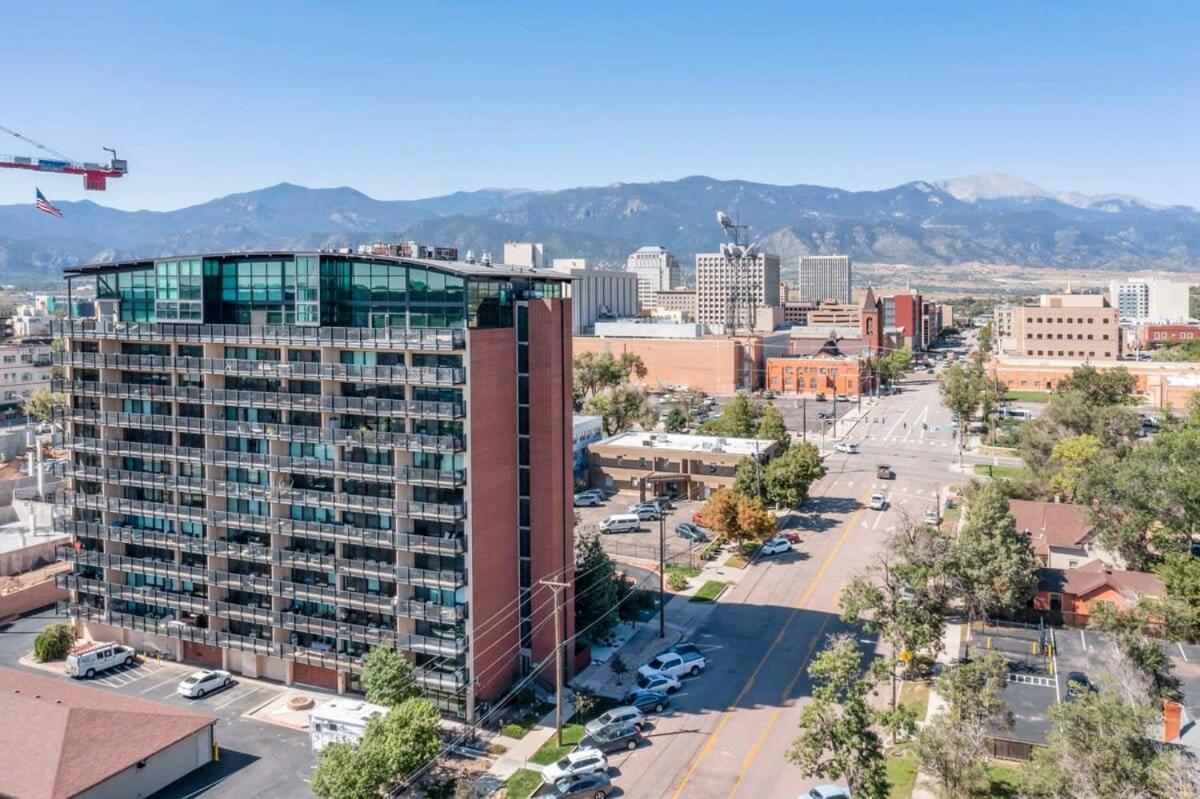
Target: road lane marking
<point>158,685</point>
<point>804,600</point>
<point>897,424</point>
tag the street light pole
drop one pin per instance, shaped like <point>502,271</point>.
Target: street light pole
<point>558,664</point>
<point>662,570</point>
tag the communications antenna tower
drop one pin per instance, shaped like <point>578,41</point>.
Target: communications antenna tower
<point>742,307</point>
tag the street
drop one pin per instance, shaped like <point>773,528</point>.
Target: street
<point>733,725</point>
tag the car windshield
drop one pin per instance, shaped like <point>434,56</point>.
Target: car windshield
<point>564,764</point>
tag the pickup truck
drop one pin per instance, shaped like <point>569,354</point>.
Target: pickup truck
<point>676,664</point>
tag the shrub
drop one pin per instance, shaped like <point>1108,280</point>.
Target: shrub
<point>584,700</point>
<point>712,550</point>
<point>618,666</point>
<point>676,581</point>
<point>53,643</point>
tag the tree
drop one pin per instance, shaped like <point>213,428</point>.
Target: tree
<point>1071,460</point>
<point>772,427</point>
<point>1108,387</point>
<point>960,392</point>
<point>676,421</point>
<point>995,568</point>
<point>407,737</point>
<point>985,339</point>
<point>595,372</point>
<point>1180,574</point>
<point>748,478</point>
<point>739,419</point>
<point>953,746</point>
<point>53,643</point>
<point>721,511</point>
<point>1098,747</point>
<point>41,405</point>
<point>584,700</point>
<point>1144,655</point>
<point>343,771</point>
<point>788,477</point>
<point>620,407</point>
<point>597,587</point>
<point>838,738</point>
<point>754,521</point>
<point>387,677</point>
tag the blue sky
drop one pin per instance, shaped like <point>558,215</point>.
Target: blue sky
<point>411,100</point>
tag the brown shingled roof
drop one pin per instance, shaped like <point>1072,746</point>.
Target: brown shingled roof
<point>60,738</point>
<point>1095,574</point>
<point>1051,524</point>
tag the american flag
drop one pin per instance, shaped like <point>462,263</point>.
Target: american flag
<point>45,206</point>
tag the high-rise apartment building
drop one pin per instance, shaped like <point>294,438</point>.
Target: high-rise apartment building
<point>726,289</point>
<point>824,277</point>
<point>282,460</point>
<point>24,371</point>
<point>531,255</point>
<point>656,269</point>
<point>1142,299</point>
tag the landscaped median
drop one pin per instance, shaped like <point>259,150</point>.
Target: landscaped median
<point>1002,470</point>
<point>709,591</point>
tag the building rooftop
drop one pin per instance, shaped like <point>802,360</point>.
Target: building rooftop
<point>63,738</point>
<point>345,710</point>
<point>454,267</point>
<point>1050,524</point>
<point>680,442</point>
<point>1096,574</point>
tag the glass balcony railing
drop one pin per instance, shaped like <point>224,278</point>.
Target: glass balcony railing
<point>388,338</point>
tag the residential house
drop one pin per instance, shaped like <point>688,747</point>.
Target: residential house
<point>1061,534</point>
<point>1071,595</point>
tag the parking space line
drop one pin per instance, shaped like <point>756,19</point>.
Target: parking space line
<point>1182,651</point>
<point>1083,640</point>
<point>236,696</point>
<point>167,681</point>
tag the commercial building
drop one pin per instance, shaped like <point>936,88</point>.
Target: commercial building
<point>1070,326</point>
<point>585,430</point>
<point>1165,384</point>
<point>63,739</point>
<point>737,295</point>
<point>280,460</point>
<point>680,302</point>
<point>657,269</point>
<point>530,255</point>
<point>819,374</point>
<point>712,364</point>
<point>597,293</point>
<point>25,369</point>
<point>824,277</point>
<point>1154,335</point>
<point>674,464</point>
<point>1142,299</point>
<point>906,312</point>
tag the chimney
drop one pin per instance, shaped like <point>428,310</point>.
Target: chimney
<point>1172,720</point>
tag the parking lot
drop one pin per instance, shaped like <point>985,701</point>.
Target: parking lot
<point>643,542</point>
<point>257,759</point>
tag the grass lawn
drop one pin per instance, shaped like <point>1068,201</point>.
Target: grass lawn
<point>519,727</point>
<point>1028,396</point>
<point>1001,470</point>
<point>1006,781</point>
<point>522,784</point>
<point>736,561</point>
<point>950,518</point>
<point>916,696</point>
<point>901,775</point>
<point>687,572</point>
<point>709,591</point>
<point>572,734</point>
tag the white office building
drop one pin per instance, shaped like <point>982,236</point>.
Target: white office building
<point>1146,299</point>
<point>824,277</point>
<point>720,279</point>
<point>656,269</point>
<point>597,294</point>
<point>531,255</point>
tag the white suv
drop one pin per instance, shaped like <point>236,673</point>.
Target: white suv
<point>847,447</point>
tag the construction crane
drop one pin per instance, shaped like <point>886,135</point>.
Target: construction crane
<point>95,176</point>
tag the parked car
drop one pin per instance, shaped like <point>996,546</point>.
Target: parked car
<point>847,447</point>
<point>684,648</point>
<point>792,536</point>
<point>587,500</point>
<point>87,660</point>
<point>842,398</point>
<point>884,472</point>
<point>200,683</point>
<point>819,398</point>
<point>675,664</point>
<point>625,714</point>
<point>646,512</point>
<point>621,523</point>
<point>691,532</point>
<point>663,503</point>
<point>646,701</point>
<point>775,546</point>
<point>663,683</point>
<point>877,502</point>
<point>581,761</point>
<point>595,785</point>
<point>827,792</point>
<point>932,517</point>
<point>825,415</point>
<point>1078,684</point>
<point>698,518</point>
<point>614,738</point>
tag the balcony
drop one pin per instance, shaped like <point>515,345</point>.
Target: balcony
<point>250,613</point>
<point>264,399</point>
<point>387,338</point>
<point>414,442</point>
<point>193,603</point>
<point>169,627</point>
<point>248,643</point>
<point>414,375</point>
<point>161,568</point>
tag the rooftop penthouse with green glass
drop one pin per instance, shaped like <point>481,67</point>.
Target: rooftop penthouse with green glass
<point>272,467</point>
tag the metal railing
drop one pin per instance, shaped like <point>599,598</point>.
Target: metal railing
<point>282,335</point>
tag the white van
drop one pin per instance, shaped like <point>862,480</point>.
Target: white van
<point>88,660</point>
<point>621,523</point>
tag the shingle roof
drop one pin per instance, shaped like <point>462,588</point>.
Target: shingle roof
<point>60,738</point>
<point>1095,574</point>
<point>1051,524</point>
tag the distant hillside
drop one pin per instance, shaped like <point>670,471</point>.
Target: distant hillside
<point>981,218</point>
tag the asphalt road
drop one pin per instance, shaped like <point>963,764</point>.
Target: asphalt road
<point>733,725</point>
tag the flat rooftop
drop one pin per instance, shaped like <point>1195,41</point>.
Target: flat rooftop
<point>679,442</point>
<point>347,711</point>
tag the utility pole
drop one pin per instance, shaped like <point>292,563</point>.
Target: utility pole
<point>662,570</point>
<point>804,418</point>
<point>558,664</point>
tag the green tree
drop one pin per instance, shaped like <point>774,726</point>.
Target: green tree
<point>597,587</point>
<point>748,478</point>
<point>721,511</point>
<point>1180,574</point>
<point>838,738</point>
<point>738,419</point>
<point>772,427</point>
<point>1098,747</point>
<point>995,569</point>
<point>387,677</point>
<point>1145,655</point>
<point>953,746</point>
<point>406,738</point>
<point>789,476</point>
<point>676,421</point>
<point>960,392</point>
<point>344,771</point>
<point>1107,387</point>
<point>893,365</point>
<point>53,643</point>
<point>595,372</point>
<point>985,339</point>
<point>41,404</point>
<point>620,408</point>
<point>1071,460</point>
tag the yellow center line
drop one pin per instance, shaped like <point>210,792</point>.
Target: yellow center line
<point>804,600</point>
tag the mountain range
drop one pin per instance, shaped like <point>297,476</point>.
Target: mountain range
<point>994,219</point>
